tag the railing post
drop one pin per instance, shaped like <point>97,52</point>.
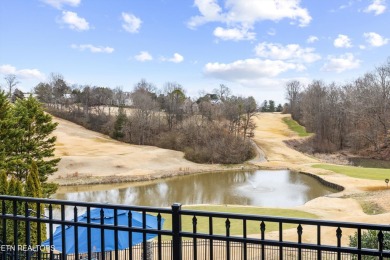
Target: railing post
<point>176,229</point>
<point>299,231</point>
<point>380,243</point>
<point>339,234</point>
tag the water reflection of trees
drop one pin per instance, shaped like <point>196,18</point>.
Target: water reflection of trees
<point>213,188</point>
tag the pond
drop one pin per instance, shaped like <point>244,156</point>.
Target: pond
<point>265,188</point>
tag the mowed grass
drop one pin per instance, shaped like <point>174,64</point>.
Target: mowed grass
<point>357,172</point>
<point>236,226</point>
<point>294,126</point>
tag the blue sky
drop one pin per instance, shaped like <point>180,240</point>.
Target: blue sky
<point>252,46</point>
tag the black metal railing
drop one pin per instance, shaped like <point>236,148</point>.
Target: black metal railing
<point>187,234</point>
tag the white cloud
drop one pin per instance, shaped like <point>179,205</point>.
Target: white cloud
<point>92,48</point>
<point>59,3</point>
<point>23,73</point>
<point>312,39</point>
<point>249,69</point>
<point>248,12</point>
<point>375,39</point>
<point>210,11</point>
<point>143,56</point>
<point>362,47</point>
<point>342,41</point>
<point>234,34</point>
<point>292,52</point>
<point>177,58</point>
<point>341,63</point>
<point>377,6</point>
<point>131,23</point>
<point>74,21</point>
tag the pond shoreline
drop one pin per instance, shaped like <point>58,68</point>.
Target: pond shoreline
<point>97,180</point>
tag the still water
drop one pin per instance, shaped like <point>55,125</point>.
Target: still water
<point>259,188</point>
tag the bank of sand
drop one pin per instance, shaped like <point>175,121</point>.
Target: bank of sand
<point>89,158</point>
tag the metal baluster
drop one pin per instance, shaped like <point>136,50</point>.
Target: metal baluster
<point>51,231</point>
<point>15,213</point>
<point>176,229</point>
<point>211,240</point>
<point>227,225</point>
<point>262,229</point>
<point>102,238</point>
<point>63,233</point>
<point>380,244</point>
<point>4,221</point>
<point>280,240</point>
<point>299,231</point>
<point>159,236</point>
<point>39,232</point>
<point>244,235</point>
<point>144,242</point>
<point>339,234</point>
<point>27,227</point>
<point>116,233</point>
<point>359,242</point>
<point>89,240</point>
<point>194,223</point>
<point>76,232</point>
<point>130,224</point>
<point>319,253</point>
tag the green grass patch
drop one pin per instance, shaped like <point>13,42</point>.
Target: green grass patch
<point>294,126</point>
<point>357,172</point>
<point>253,227</point>
<point>371,208</point>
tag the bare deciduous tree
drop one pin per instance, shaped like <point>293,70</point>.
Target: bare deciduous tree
<point>12,81</point>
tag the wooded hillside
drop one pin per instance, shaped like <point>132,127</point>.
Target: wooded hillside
<point>355,115</point>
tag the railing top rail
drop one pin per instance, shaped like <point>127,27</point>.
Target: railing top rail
<point>285,220</point>
<point>86,204</point>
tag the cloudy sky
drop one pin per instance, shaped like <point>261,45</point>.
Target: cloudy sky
<point>252,46</point>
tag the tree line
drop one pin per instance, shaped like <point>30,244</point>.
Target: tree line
<point>355,115</point>
<point>269,106</point>
<point>213,128</point>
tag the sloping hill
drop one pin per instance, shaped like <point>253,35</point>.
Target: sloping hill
<point>91,157</point>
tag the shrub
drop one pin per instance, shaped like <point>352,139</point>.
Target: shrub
<point>370,240</point>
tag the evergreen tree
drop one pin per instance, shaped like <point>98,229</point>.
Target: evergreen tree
<point>119,124</point>
<point>271,106</point>
<point>3,183</point>
<point>16,189</point>
<point>30,140</point>
<point>33,189</point>
<point>3,191</point>
<point>4,125</point>
<point>279,108</point>
<point>264,107</point>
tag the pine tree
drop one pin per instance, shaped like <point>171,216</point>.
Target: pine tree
<point>3,183</point>
<point>35,180</point>
<point>33,189</point>
<point>3,191</point>
<point>30,140</point>
<point>271,106</point>
<point>15,188</point>
<point>119,124</point>
<point>4,126</point>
